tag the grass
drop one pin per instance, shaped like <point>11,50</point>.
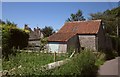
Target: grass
<point>28,62</point>
<point>82,65</point>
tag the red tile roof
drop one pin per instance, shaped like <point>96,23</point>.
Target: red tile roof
<point>81,27</point>
<point>58,37</point>
<point>77,27</point>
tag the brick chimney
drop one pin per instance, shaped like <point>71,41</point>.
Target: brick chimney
<point>26,27</point>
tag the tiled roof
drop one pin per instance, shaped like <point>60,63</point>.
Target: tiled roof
<point>81,27</point>
<point>60,37</point>
<point>77,27</point>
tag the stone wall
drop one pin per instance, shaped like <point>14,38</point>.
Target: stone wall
<point>34,45</point>
<point>34,42</point>
<point>88,41</point>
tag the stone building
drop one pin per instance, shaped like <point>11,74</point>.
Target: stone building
<point>89,35</point>
<point>34,37</point>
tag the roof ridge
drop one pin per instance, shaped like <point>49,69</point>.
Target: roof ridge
<point>84,21</point>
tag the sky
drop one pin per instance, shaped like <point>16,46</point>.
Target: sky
<point>54,14</point>
<point>59,0</point>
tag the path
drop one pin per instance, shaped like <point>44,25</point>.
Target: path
<point>110,68</point>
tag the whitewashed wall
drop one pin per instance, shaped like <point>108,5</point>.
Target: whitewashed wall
<point>58,47</point>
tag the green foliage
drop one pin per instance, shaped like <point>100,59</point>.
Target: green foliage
<point>27,59</point>
<point>19,38</point>
<point>12,38</point>
<point>43,42</point>
<point>100,58</point>
<point>110,54</point>
<point>47,31</point>
<point>0,64</point>
<point>70,50</point>
<point>28,63</point>
<point>82,64</point>
<point>116,48</point>
<point>110,19</point>
<point>76,17</point>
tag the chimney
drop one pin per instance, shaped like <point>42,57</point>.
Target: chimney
<point>34,29</point>
<point>25,26</point>
<point>38,30</point>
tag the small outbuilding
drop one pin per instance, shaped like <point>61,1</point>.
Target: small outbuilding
<point>63,42</point>
<point>79,35</point>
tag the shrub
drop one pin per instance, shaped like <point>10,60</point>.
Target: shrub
<point>12,37</point>
<point>43,42</point>
<point>116,44</point>
<point>110,54</point>
<point>100,58</point>
<point>82,64</point>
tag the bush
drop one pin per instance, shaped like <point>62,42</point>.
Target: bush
<point>116,44</point>
<point>110,54</point>
<point>12,38</point>
<point>82,64</point>
<point>100,58</point>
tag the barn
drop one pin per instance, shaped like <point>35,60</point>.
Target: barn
<point>87,35</point>
<point>62,42</point>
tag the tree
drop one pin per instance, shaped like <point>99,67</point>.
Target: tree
<point>43,42</point>
<point>19,38</point>
<point>110,19</point>
<point>76,17</point>
<point>47,31</point>
<point>12,37</point>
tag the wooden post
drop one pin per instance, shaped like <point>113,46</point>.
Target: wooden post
<point>72,53</point>
<point>54,56</point>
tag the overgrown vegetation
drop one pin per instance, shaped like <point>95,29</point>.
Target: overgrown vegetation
<point>100,58</point>
<point>43,42</point>
<point>12,38</point>
<point>83,65</point>
<point>0,64</point>
<point>116,44</point>
<point>110,19</point>
<point>28,63</point>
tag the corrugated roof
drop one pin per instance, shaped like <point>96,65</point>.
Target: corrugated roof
<point>81,27</point>
<point>57,37</point>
